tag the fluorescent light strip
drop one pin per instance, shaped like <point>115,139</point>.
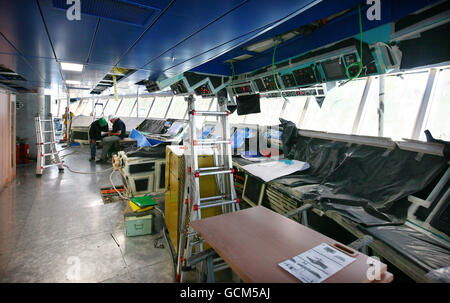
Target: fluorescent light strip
<point>72,66</point>
<point>74,82</point>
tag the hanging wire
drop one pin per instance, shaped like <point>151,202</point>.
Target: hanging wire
<point>273,72</point>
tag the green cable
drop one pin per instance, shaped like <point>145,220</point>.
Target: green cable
<point>232,76</point>
<point>359,64</point>
<point>273,72</point>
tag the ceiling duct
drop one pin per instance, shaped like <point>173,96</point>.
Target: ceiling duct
<point>108,80</point>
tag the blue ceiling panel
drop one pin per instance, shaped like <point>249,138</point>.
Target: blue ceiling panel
<point>48,69</point>
<point>21,23</point>
<point>112,40</point>
<point>19,65</point>
<point>135,77</point>
<point>71,39</point>
<point>92,74</point>
<point>122,11</point>
<point>250,17</point>
<point>341,28</point>
<point>200,59</point>
<point>168,37</point>
<point>321,10</point>
<point>181,20</point>
<point>5,46</point>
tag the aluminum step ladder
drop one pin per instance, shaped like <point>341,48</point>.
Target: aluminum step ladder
<point>220,148</point>
<point>47,154</point>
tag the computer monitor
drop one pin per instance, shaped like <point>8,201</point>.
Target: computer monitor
<point>334,69</point>
<point>253,192</point>
<point>175,128</point>
<point>441,221</point>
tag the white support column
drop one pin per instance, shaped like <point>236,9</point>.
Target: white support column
<point>362,106</point>
<point>381,108</point>
<point>301,120</point>
<point>168,108</point>
<point>150,109</point>
<point>117,109</point>
<point>132,109</point>
<point>137,103</point>
<point>424,104</point>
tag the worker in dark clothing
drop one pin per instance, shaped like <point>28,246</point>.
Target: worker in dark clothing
<point>95,133</point>
<point>118,132</point>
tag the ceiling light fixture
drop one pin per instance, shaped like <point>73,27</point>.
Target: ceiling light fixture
<point>75,67</point>
<point>74,82</point>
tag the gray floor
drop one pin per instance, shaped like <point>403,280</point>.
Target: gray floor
<point>56,228</point>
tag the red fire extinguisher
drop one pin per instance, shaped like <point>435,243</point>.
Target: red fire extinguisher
<point>25,152</point>
<point>22,152</point>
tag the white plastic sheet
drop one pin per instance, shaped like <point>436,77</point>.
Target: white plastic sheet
<point>272,170</point>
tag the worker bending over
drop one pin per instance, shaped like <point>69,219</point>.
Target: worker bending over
<point>95,133</point>
<point>118,132</point>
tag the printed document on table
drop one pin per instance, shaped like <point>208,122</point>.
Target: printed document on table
<point>317,264</point>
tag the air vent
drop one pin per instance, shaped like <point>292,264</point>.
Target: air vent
<point>117,10</point>
<point>108,80</point>
<point>9,77</point>
<point>152,86</point>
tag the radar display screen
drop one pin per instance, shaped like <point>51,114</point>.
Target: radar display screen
<point>333,69</point>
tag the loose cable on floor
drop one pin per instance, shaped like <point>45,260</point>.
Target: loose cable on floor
<point>112,183</point>
<point>86,173</point>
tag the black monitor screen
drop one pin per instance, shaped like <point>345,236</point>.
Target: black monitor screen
<point>333,69</point>
<point>253,189</point>
<point>441,220</point>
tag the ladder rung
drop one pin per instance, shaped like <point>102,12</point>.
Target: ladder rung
<point>209,113</point>
<point>193,243</point>
<point>211,198</point>
<point>49,165</point>
<point>221,266</point>
<point>209,168</point>
<point>215,203</point>
<point>47,131</point>
<point>49,154</point>
<point>210,142</point>
<point>213,172</point>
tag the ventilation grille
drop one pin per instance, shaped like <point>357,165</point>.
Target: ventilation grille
<point>107,80</point>
<point>117,10</point>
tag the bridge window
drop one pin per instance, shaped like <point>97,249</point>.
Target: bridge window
<point>126,107</point>
<point>84,107</point>
<point>338,111</point>
<point>159,109</point>
<point>111,107</point>
<point>270,112</point>
<point>143,106</point>
<point>294,109</point>
<point>438,120</point>
<point>177,108</point>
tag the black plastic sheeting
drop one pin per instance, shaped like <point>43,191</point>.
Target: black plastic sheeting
<point>353,178</point>
<point>422,250</point>
<point>152,126</point>
<point>158,151</point>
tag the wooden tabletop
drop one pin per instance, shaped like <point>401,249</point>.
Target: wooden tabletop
<point>255,240</point>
